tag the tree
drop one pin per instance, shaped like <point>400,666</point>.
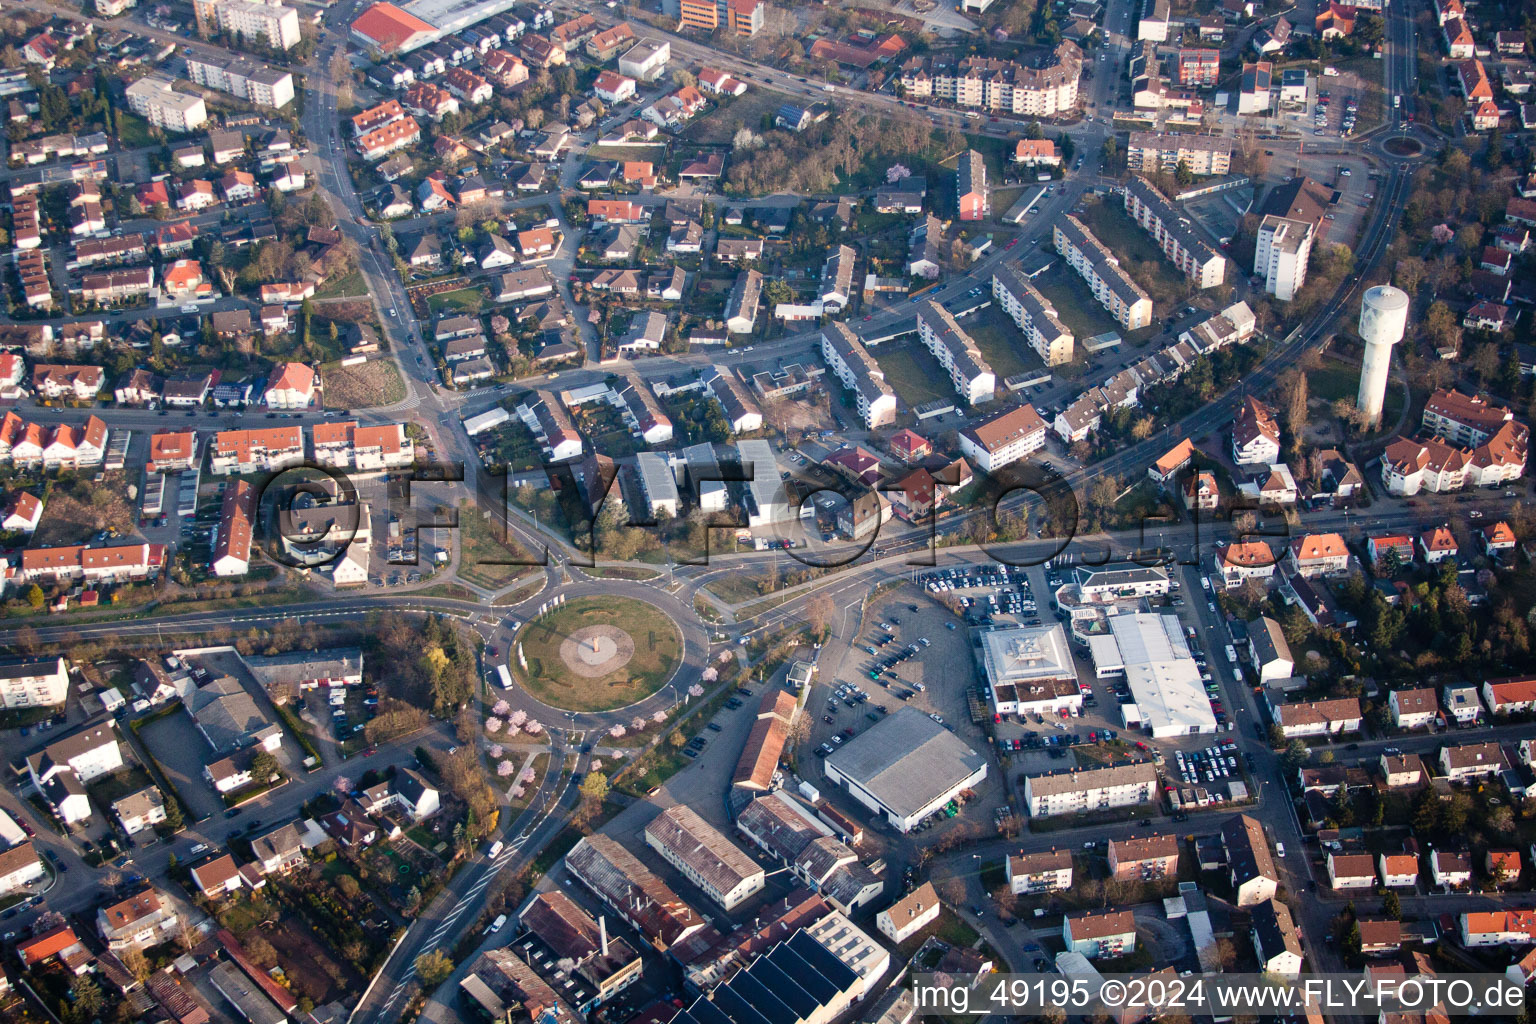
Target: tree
<point>433,968</point>
<point>263,765</point>
<point>594,787</point>
<point>675,738</point>
<point>88,1002</point>
<point>35,596</point>
<point>349,886</point>
<point>1276,737</point>
<point>818,615</point>
<point>1296,754</point>
<point>260,951</point>
<point>1392,906</point>
<point>138,966</point>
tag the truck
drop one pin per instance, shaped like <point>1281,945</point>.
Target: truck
<point>504,677</point>
<point>1330,72</point>
<point>1232,654</point>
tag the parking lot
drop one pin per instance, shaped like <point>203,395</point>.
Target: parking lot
<point>922,658</point>
<point>991,595</point>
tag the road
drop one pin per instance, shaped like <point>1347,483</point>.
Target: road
<point>527,833</point>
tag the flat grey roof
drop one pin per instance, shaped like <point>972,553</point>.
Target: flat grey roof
<point>906,760</point>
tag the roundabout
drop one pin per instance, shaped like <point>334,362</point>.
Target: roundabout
<point>1403,146</point>
<point>597,653</point>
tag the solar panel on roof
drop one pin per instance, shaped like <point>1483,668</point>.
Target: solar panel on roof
<point>819,957</point>
<point>762,1000</point>
<point>804,973</point>
<point>706,1012</point>
<point>730,1002</point>
<point>784,986</point>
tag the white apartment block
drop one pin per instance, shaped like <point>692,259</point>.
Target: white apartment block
<point>968,370</point>
<point>155,99</point>
<point>999,85</point>
<point>1200,154</point>
<point>851,363</point>
<point>1149,208</point>
<point>33,682</point>
<point>272,23</point>
<point>1090,789</point>
<point>1003,439</point>
<point>1050,871</point>
<point>245,79</point>
<point>1284,247</point>
<point>1122,297</point>
<point>1033,314</point>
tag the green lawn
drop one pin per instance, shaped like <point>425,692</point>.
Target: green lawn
<point>649,647</point>
<point>132,130</point>
<point>720,124</point>
<point>482,554</point>
<point>912,372</point>
<point>1002,344</point>
<point>345,286</point>
<point>467,300</point>
<point>1075,305</point>
<point>1137,252</point>
<point>1335,380</point>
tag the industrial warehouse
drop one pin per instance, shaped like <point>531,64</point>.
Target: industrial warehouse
<point>1149,650</point>
<point>906,767</point>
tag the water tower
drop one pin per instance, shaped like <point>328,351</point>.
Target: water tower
<point>1383,318</point>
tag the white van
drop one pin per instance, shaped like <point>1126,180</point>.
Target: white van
<point>495,850</point>
<point>496,925</point>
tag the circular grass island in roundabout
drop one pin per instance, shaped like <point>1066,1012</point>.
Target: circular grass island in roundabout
<point>598,653</point>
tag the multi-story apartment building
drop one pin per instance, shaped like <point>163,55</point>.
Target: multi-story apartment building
<point>380,142</point>
<point>1318,554</point>
<point>138,922</point>
<point>245,79</point>
<point>1284,247</point>
<point>972,197</point>
<point>271,22</point>
<point>1003,439</point>
<point>1090,789</point>
<point>367,449</point>
<point>250,451</point>
<point>1472,761</point>
<point>1033,313</point>
<point>1201,154</point>
<point>1199,66</point>
<point>1144,858</point>
<point>1251,865</point>
<point>1157,216</point>
<point>1050,871</point>
<point>119,563</point>
<point>1111,933</point>
<point>33,682</point>
<point>739,17</point>
<point>1001,86</point>
<point>968,370</point>
<point>1465,419</point>
<point>155,99</point>
<point>910,914</point>
<point>851,363</point>
<point>1471,444</point>
<point>1111,285</point>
